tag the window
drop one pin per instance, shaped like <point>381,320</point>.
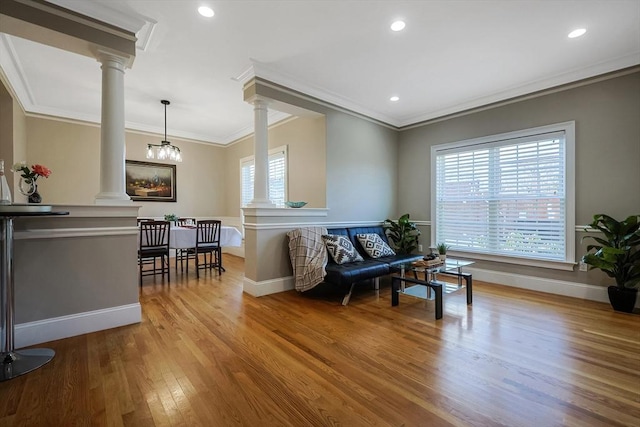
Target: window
<point>277,177</point>
<point>508,197</point>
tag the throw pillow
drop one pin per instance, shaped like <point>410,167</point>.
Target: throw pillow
<point>341,249</point>
<point>374,245</point>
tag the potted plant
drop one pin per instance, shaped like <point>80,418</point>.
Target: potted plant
<point>617,254</point>
<point>442,249</point>
<point>170,217</point>
<point>403,234</point>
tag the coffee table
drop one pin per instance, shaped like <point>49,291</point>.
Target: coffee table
<point>430,287</point>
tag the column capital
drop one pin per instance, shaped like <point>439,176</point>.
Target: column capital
<point>106,56</point>
<point>259,101</point>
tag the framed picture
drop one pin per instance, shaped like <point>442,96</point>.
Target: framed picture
<point>150,182</point>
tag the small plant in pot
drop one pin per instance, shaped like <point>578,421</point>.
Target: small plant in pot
<point>617,254</point>
<point>442,249</point>
<point>403,234</point>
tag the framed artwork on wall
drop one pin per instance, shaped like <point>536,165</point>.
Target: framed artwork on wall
<point>150,182</point>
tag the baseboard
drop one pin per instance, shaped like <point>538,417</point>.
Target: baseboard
<point>266,287</point>
<point>551,286</point>
<point>234,250</point>
<point>56,328</point>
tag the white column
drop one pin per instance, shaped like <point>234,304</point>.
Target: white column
<point>261,156</point>
<point>112,148</point>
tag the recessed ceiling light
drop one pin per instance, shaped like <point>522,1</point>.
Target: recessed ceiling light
<point>577,33</point>
<point>394,98</point>
<point>398,26</point>
<point>205,11</point>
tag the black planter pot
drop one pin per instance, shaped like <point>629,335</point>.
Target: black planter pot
<point>622,299</point>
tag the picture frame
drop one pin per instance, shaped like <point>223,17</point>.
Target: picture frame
<point>150,182</point>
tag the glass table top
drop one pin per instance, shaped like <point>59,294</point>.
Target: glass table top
<point>448,265</point>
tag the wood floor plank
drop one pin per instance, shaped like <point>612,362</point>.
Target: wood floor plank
<point>206,354</point>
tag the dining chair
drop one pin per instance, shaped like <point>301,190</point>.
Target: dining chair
<point>207,242</point>
<point>144,220</point>
<point>153,244</point>
<point>181,253</point>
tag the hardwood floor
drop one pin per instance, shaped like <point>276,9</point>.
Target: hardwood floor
<point>206,354</point>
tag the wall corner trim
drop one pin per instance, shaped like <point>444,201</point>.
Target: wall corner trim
<point>267,287</point>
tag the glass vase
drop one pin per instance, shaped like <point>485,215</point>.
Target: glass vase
<point>35,196</point>
<point>29,188</point>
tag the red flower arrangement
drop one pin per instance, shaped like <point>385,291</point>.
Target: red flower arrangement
<point>30,176</point>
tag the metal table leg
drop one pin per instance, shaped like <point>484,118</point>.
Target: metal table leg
<point>14,363</point>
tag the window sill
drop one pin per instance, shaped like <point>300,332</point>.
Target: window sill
<point>542,263</point>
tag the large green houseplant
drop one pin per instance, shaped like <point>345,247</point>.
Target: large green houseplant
<point>403,234</point>
<point>617,254</point>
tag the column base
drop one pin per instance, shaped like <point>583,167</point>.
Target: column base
<point>112,199</point>
<point>16,363</point>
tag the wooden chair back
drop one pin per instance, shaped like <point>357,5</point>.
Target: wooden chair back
<point>154,234</point>
<point>208,233</point>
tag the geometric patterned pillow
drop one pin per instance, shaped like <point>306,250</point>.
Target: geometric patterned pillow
<point>374,245</point>
<point>341,249</point>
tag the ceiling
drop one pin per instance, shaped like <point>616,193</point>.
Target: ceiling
<point>452,56</point>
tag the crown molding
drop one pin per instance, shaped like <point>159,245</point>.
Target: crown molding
<point>14,73</point>
<point>15,78</point>
<point>130,21</point>
<point>531,88</point>
<point>273,118</point>
<point>142,26</point>
<point>245,76</point>
<point>145,33</point>
<point>264,71</point>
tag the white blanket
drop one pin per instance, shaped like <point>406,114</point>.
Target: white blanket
<point>308,256</point>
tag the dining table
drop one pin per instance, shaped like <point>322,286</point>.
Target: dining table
<point>184,237</point>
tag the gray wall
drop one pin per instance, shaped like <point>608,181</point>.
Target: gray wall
<point>607,117</point>
<point>362,157</point>
<point>361,169</point>
<point>65,276</point>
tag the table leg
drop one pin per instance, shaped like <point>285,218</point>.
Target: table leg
<point>14,363</point>
<point>438,291</point>
<point>395,288</point>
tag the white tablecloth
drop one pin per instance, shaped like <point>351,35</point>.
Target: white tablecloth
<point>185,237</point>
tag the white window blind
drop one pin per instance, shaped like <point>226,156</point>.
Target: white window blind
<point>506,197</point>
<point>277,177</point>
<point>247,174</point>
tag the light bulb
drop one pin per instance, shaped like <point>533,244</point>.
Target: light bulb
<point>398,26</point>
<point>205,11</point>
<point>577,33</point>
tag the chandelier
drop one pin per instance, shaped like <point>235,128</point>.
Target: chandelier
<point>164,150</point>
